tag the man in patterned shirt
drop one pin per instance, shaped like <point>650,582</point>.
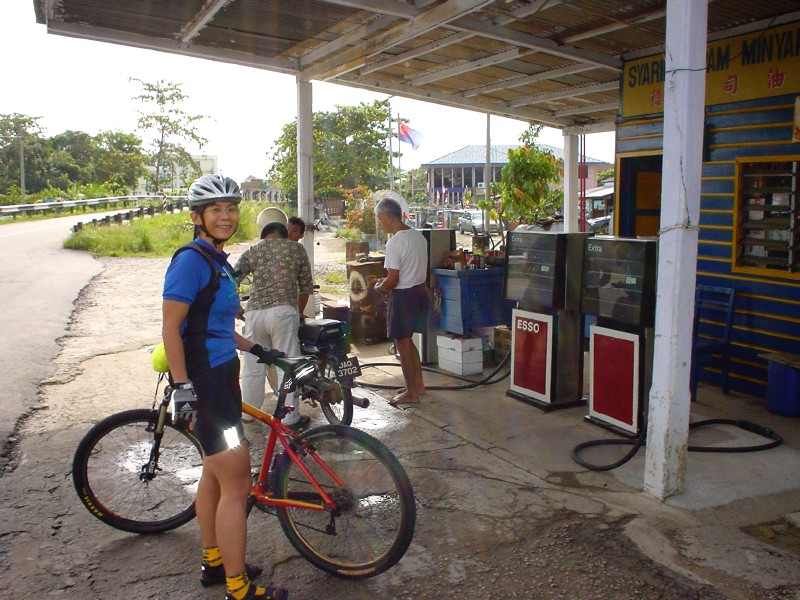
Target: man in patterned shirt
<point>282,284</point>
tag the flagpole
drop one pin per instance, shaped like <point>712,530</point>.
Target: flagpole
<point>391,158</point>
<point>399,155</point>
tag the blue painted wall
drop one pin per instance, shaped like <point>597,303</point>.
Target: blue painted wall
<point>767,309</point>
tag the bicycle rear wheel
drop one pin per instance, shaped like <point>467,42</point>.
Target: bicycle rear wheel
<point>374,521</point>
<point>109,473</point>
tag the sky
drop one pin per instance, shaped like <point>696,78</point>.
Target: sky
<point>85,86</point>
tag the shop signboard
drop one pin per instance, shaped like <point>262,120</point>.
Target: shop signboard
<point>761,64</point>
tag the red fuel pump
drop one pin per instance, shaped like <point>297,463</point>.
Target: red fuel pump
<point>619,288</point>
<point>543,274</point>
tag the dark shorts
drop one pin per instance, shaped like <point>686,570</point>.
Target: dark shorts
<point>407,312</point>
<point>220,407</point>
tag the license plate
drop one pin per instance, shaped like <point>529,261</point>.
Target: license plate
<point>348,367</point>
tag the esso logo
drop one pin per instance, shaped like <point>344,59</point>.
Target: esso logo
<point>528,325</point>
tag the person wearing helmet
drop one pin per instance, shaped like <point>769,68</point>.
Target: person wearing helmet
<point>282,284</point>
<point>200,303</point>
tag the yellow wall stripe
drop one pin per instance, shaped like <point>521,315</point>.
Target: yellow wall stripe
<point>743,278</point>
<point>746,127</point>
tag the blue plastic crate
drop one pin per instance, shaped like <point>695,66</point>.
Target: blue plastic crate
<point>472,299</point>
<point>783,388</point>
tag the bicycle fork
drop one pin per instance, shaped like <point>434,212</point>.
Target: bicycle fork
<point>156,427</point>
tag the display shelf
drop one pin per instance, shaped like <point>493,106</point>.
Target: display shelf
<point>768,217</point>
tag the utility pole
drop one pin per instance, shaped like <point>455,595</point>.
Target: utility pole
<point>22,166</point>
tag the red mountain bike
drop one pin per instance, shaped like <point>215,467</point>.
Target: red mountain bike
<point>341,497</point>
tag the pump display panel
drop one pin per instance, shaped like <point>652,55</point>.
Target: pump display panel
<point>533,276</point>
<point>619,280</point>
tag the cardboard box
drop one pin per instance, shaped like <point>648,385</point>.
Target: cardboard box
<point>458,344</point>
<point>502,342</point>
<point>471,356</point>
<point>460,368</point>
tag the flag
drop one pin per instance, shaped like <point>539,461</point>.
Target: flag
<point>408,135</point>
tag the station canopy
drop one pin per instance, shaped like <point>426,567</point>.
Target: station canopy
<point>552,62</point>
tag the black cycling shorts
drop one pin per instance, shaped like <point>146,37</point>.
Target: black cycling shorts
<point>219,414</point>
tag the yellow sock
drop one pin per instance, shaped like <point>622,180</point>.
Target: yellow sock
<point>212,556</point>
<point>239,585</point>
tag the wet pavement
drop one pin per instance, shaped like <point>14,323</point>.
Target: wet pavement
<point>726,497</point>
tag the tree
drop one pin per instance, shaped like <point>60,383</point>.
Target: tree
<point>21,142</point>
<point>529,187</point>
<point>349,149</point>
<point>119,159</point>
<point>168,126</point>
<point>72,161</point>
<point>603,175</point>
<point>72,164</point>
<point>414,186</point>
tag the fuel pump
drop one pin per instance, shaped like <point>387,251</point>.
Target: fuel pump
<point>619,288</point>
<point>543,274</point>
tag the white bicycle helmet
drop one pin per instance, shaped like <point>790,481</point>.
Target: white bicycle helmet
<point>213,188</point>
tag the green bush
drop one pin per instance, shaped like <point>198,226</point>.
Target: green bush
<point>348,234</point>
<point>153,237</point>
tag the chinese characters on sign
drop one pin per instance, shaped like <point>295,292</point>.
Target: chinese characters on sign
<point>657,98</point>
<point>757,65</point>
<point>775,79</point>
<point>732,84</point>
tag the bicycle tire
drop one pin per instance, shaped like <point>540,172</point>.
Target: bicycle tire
<point>337,411</point>
<point>106,472</point>
<point>371,535</point>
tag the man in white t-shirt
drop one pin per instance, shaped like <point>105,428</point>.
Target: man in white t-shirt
<point>406,264</point>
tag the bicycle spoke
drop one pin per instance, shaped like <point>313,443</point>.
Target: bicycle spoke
<point>112,474</point>
<point>372,522</point>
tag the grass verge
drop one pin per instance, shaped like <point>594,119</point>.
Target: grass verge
<point>156,236</point>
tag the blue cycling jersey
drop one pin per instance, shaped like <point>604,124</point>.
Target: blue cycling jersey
<point>209,341</point>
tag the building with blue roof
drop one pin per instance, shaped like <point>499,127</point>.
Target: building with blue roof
<point>454,174</point>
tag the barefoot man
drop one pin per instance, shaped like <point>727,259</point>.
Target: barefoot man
<point>407,268</point>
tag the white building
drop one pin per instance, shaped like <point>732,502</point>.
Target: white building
<point>174,180</point>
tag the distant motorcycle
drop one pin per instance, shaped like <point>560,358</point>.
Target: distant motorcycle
<point>324,219</point>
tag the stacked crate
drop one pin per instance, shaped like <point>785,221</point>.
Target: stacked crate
<point>462,356</point>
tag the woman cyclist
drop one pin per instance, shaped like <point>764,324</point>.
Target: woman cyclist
<point>200,303</point>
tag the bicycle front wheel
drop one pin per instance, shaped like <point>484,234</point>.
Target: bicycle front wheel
<point>111,475</point>
<point>373,522</point>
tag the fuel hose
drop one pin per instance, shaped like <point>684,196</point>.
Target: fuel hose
<point>488,380</point>
<point>640,440</point>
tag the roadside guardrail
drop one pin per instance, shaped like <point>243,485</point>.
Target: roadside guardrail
<point>44,207</point>
<point>167,204</point>
<point>163,204</point>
